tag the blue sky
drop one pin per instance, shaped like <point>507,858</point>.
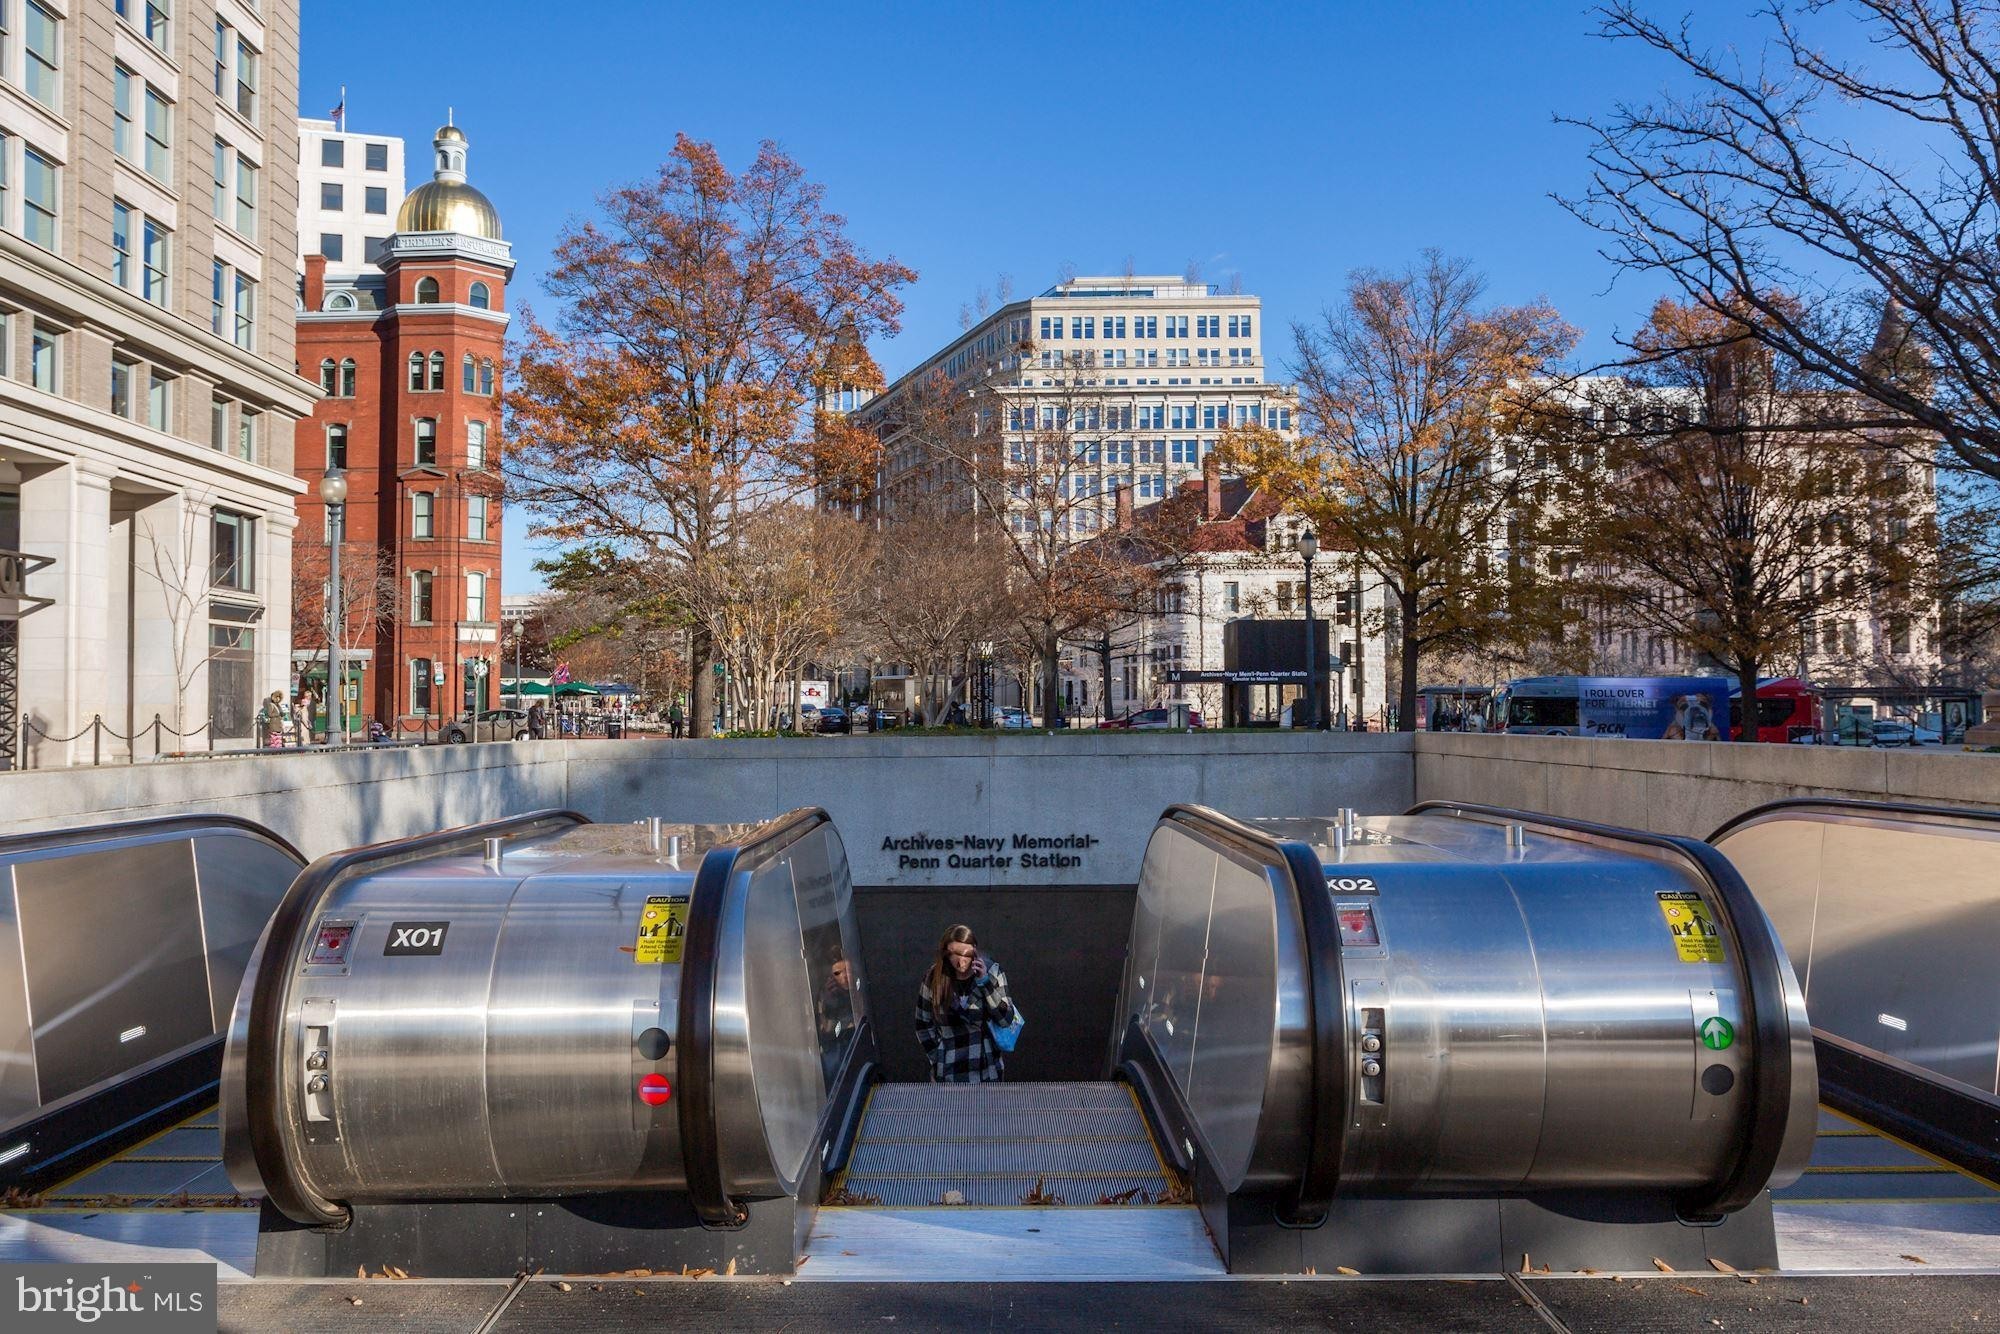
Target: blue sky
<point>1290,143</point>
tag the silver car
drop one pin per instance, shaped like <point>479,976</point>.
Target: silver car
<point>491,725</point>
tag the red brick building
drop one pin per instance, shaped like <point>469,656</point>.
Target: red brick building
<point>408,352</point>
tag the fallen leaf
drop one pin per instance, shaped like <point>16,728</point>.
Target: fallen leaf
<point>731,1271</point>
<point>1345,1270</point>
<point>1662,1265</point>
<point>354,1301</point>
<point>562,1287</point>
<point>642,1273</point>
<point>361,1271</point>
<point>1721,1266</point>
<point>1916,1259</point>
<point>1528,1266</point>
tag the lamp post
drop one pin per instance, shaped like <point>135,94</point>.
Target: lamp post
<point>1309,547</point>
<point>333,492</point>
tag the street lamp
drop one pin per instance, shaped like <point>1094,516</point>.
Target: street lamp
<point>333,492</point>
<point>1309,547</point>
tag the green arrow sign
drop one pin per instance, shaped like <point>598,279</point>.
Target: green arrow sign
<point>1717,1032</point>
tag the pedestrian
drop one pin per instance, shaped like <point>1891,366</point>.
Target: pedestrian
<point>271,719</point>
<point>676,721</point>
<point>963,995</point>
<point>302,717</point>
<point>538,721</point>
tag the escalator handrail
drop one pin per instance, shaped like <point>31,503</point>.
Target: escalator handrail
<point>701,971</point>
<point>1763,971</point>
<point>263,1057</point>
<point>1851,806</point>
<point>1305,874</point>
<point>42,840</point>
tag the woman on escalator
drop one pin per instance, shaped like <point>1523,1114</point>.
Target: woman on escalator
<point>962,999</point>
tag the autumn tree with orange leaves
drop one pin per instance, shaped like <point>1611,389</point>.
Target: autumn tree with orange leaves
<point>671,398</point>
<point>1407,390</point>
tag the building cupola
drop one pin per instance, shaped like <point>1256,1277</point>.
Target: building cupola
<point>447,203</point>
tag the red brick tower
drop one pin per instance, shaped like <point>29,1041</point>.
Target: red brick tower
<point>409,355</point>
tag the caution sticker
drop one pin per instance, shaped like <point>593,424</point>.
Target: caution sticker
<point>1693,927</point>
<point>662,929</point>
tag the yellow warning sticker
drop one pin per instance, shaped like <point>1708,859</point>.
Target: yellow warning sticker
<point>662,929</point>
<point>1693,926</point>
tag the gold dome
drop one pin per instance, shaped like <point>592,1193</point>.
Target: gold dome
<point>448,206</point>
<point>451,132</point>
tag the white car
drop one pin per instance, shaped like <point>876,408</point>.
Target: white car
<point>1017,719</point>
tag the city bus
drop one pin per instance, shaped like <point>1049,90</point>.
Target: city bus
<point>1678,708</point>
<point>1788,710</point>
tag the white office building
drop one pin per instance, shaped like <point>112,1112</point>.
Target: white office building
<point>350,186</point>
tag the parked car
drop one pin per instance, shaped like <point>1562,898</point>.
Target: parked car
<point>1012,719</point>
<point>882,720</point>
<point>492,725</point>
<point>1927,736</point>
<point>833,719</point>
<point>1889,732</point>
<point>1146,720</point>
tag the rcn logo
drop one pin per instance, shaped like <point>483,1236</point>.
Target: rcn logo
<point>415,938</point>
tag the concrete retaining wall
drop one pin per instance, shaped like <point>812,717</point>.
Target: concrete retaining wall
<point>1673,787</point>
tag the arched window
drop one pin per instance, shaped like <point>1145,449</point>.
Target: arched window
<point>327,383</point>
<point>340,301</point>
<point>437,370</point>
<point>466,372</point>
<point>427,292</point>
<point>347,377</point>
<point>416,370</point>
<point>482,297</point>
<point>486,378</point>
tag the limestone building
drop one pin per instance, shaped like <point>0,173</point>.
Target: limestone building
<point>147,384</point>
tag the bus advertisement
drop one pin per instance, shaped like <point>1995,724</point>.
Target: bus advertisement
<point>1672,708</point>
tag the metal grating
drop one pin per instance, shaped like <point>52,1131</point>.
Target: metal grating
<point>1004,1144</point>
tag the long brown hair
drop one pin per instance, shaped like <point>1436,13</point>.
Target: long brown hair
<point>939,978</point>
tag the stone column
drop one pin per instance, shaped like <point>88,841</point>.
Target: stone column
<point>66,515</point>
<point>274,585</point>
<point>169,630</point>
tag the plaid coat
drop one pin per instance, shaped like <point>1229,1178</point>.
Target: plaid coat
<point>956,1040</point>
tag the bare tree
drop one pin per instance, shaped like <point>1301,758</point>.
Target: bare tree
<point>1736,506</point>
<point>1408,390</point>
<point>939,589</point>
<point>177,560</point>
<point>370,597</point>
<point>1851,210</point>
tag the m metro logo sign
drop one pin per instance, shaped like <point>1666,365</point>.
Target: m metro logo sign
<point>415,938</point>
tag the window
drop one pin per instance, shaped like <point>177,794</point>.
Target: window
<point>437,371</point>
<point>158,245</point>
<point>221,58</point>
<point>475,595</point>
<point>420,685</point>
<point>231,560</point>
<point>486,378</point>
<point>219,204</point>
<point>427,436</point>
<point>332,246</point>
<point>347,377</point>
<point>42,358</point>
<point>475,444</point>
<point>218,300</point>
<point>375,199</point>
<point>340,301</point>
<point>420,597</point>
<point>482,297</point>
<point>332,197</point>
<point>38,199</point>
<point>336,447</point>
<point>122,374</point>
<point>328,376</point>
<point>1232,598</point>
<point>246,435</point>
<point>246,196</point>
<point>159,401</point>
<point>332,153</point>
<point>372,248</point>
<point>44,52</point>
<point>427,291</point>
<point>121,243</point>
<point>246,80</point>
<point>246,311</point>
<point>475,518</point>
<point>377,157</point>
<point>149,16</point>
<point>122,137</point>
<point>468,372</point>
<point>421,503</point>
<point>159,137</point>
<point>416,370</point>
<point>218,423</point>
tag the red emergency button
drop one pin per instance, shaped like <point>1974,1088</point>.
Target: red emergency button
<point>654,1090</point>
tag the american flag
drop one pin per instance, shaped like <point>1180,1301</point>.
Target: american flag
<point>339,113</point>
